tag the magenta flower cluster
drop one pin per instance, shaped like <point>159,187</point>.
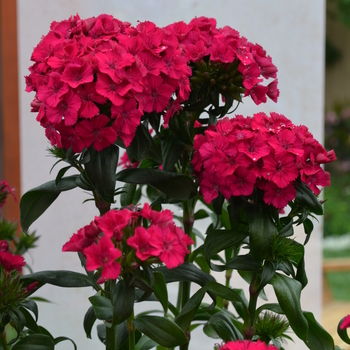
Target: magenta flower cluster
<point>270,153</point>
<point>118,240</point>
<point>247,345</point>
<point>95,79</point>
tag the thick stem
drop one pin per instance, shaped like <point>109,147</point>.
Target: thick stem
<point>131,329</point>
<point>101,205</point>
<point>249,326</point>
<point>3,341</point>
<point>111,330</point>
<point>228,276</point>
<point>185,287</point>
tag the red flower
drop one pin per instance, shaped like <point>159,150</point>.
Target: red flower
<point>103,255</point>
<point>247,345</point>
<point>11,261</point>
<point>346,322</point>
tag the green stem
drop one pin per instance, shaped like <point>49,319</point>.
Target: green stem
<point>228,276</point>
<point>131,329</point>
<point>185,287</point>
<point>111,330</point>
<point>249,323</point>
<point>4,341</point>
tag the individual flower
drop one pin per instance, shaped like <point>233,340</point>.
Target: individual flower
<point>247,345</point>
<point>103,255</point>
<point>11,261</point>
<point>345,323</point>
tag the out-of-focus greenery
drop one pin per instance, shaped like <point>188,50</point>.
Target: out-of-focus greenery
<point>337,137</point>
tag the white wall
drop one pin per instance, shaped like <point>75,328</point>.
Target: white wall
<point>292,33</point>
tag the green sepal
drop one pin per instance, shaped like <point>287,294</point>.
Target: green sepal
<point>35,202</point>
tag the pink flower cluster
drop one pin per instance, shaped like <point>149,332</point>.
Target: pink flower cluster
<point>201,38</point>
<point>95,78</point>
<point>117,240</point>
<point>247,345</point>
<point>270,153</point>
<point>8,260</point>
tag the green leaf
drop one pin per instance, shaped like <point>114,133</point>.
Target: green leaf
<point>103,308</point>
<point>31,306</point>
<point>101,333</point>
<point>307,198</point>
<point>343,333</point>
<point>60,278</point>
<point>187,313</point>
<point>162,330</point>
<point>172,149</point>
<point>172,184</point>
<point>142,146</point>
<point>35,202</point>
<point>222,324</point>
<point>186,272</point>
<point>127,196</point>
<point>89,320</point>
<point>101,170</point>
<point>145,343</point>
<point>288,293</point>
<point>29,321</point>
<point>35,342</point>
<point>318,338</point>
<point>219,240</point>
<point>287,229</point>
<point>179,126</point>
<point>160,290</point>
<point>267,274</point>
<point>61,339</point>
<point>243,262</point>
<point>123,301</point>
<point>261,232</point>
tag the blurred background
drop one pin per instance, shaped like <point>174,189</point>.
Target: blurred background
<point>309,43</point>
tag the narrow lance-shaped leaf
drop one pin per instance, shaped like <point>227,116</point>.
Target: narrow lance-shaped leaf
<point>288,292</point>
<point>261,232</point>
<point>123,301</point>
<point>162,330</point>
<point>172,184</point>
<point>35,202</point>
<point>317,338</point>
<point>101,170</point>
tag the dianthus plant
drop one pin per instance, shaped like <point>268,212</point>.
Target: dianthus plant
<point>164,95</point>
